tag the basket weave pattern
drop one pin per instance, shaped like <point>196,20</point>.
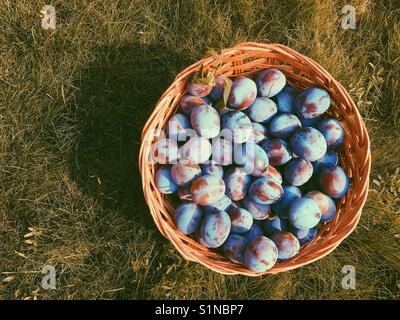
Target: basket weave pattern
<point>301,72</point>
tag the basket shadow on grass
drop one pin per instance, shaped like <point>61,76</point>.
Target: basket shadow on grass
<point>117,93</point>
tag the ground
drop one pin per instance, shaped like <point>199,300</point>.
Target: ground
<point>73,102</point>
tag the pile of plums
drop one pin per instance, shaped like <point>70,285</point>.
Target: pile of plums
<point>256,177</point>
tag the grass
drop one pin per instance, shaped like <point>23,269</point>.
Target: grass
<point>72,105</point>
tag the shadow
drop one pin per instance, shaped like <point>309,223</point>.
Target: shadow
<point>117,93</point>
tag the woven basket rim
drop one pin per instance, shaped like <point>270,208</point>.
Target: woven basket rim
<point>248,58</point>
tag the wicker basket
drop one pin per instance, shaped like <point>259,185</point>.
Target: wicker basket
<point>355,157</point>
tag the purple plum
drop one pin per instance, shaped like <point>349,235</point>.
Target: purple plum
<point>253,158</point>
<point>261,254</point>
<point>298,171</point>
<point>253,232</point>
<point>207,190</point>
<point>217,91</point>
<point>176,128</point>
<point>284,125</point>
<point>243,93</point>
<point>188,103</point>
<point>164,181</point>
<point>234,248</point>
<point>304,235</point>
<point>308,143</point>
<point>236,126</point>
<point>270,82</point>
<point>164,151</point>
<point>287,244</point>
<point>262,110</point>
<point>184,172</point>
<point>325,204</point>
<point>265,191</point>
<point>237,182</point>
<point>198,89</point>
<point>196,150</point>
<point>188,217</point>
<point>333,132</point>
<point>222,205</point>
<point>215,228</point>
<point>278,152</point>
<point>205,120</point>
<point>285,99</point>
<point>312,102</point>
<point>258,211</point>
<point>329,159</point>
<point>334,181</point>
<point>304,213</point>
<point>241,219</point>
<point>290,193</point>
<point>272,173</point>
<point>222,151</point>
<point>274,226</point>
<point>259,133</point>
<point>212,167</point>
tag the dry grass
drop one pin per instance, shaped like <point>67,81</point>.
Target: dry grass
<point>72,106</point>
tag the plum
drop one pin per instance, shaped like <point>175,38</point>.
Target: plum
<point>285,99</point>
<point>325,204</point>
<point>223,204</point>
<point>333,132</point>
<point>196,150</point>
<point>237,182</point>
<point>253,158</point>
<point>253,232</point>
<point>215,228</point>
<point>304,235</point>
<point>287,244</point>
<point>290,193</point>
<point>261,254</point>
<point>234,248</point>
<point>177,126</point>
<point>198,89</point>
<point>274,225</point>
<point>236,126</point>
<point>312,102</point>
<point>258,211</point>
<point>188,217</point>
<point>241,219</point>
<point>334,181</point>
<point>259,133</point>
<point>222,151</point>
<point>262,110</point>
<point>304,213</point>
<point>298,171</point>
<point>188,103</point>
<point>217,91</point>
<point>164,151</point>
<point>329,159</point>
<point>206,121</point>
<point>284,125</point>
<point>308,143</point>
<point>207,189</point>
<point>243,93</point>
<point>183,172</point>
<point>278,152</point>
<point>265,191</point>
<point>270,82</point>
<point>272,173</point>
<point>164,181</point>
<point>313,122</point>
<point>212,167</point>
